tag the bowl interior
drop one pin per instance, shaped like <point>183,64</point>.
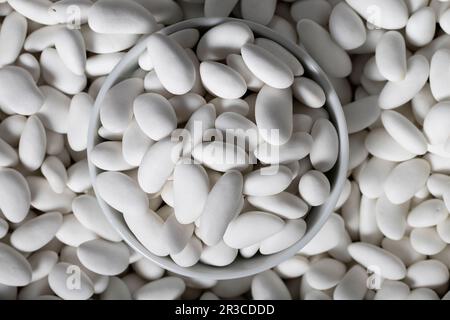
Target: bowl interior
<point>315,219</point>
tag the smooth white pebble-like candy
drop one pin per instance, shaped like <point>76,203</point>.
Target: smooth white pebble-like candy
<point>236,62</point>
<point>42,262</point>
<point>56,73</point>
<point>158,164</point>
<point>221,156</point>
<point>314,188</point>
<point>108,156</point>
<point>168,288</point>
<point>406,179</point>
<point>116,16</point>
<point>37,11</point>
<point>69,44</point>
<point>155,115</point>
<point>268,286</point>
<point>436,124</point>
<point>395,94</point>
<point>346,27</point>
<point>368,255</point>
<point>267,67</point>
<point>283,54</point>
<point>4,228</point>
<point>222,40</point>
<point>171,63</point>
<point>54,113</point>
<point>12,37</point>
<point>218,255</point>
<point>318,11</point>
<point>427,214</point>
<point>391,218</point>
<point>88,212</point>
<point>386,14</point>
<point>327,238</point>
<point>283,204</point>
<point>176,235</point>
<point>122,193</point>
<point>443,230</point>
<point>15,269</point>
<point>60,10</point>
<point>190,255</point>
<point>104,257</point>
<point>381,145</point>
<point>102,64</point>
<point>116,110</point>
<point>78,121</point>
<point>186,104</point>
<point>325,147</point>
<point>44,198</point>
<point>439,74</point>
<point>147,227</point>
<point>273,114</point>
<point>37,232</point>
<point>18,92</point>
<point>8,155</point>
<point>101,43</point>
<point>404,132</point>
<point>421,27</point>
<point>235,126</point>
<point>329,55</point>
<point>58,278</point>
<point>291,233</point>
<point>232,287</point>
<point>325,273</point>
<point>262,224</point>
<point>361,113</point>
<point>426,241</point>
<point>392,290</point>
<point>296,148</point>
<point>11,128</point>
<point>264,12</point>
<point>390,56</point>
<point>221,206</point>
<point>429,273</point>
<point>15,196</point>
<point>308,92</point>
<point>267,181</point>
<point>190,191</point>
<point>135,144</point>
<point>353,286</point>
<point>214,75</point>
<point>293,267</point>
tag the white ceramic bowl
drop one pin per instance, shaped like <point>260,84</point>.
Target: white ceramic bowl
<point>315,218</point>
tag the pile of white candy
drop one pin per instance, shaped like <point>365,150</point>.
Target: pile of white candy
<point>253,161</point>
<point>389,61</point>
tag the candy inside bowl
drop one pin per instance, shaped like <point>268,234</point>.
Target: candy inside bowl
<point>217,148</point>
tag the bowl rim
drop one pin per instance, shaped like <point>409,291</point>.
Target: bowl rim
<point>319,215</point>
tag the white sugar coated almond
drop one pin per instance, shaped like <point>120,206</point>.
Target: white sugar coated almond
<point>103,18</point>
<point>406,179</point>
<point>19,94</point>
<point>390,266</point>
<point>15,271</point>
<point>267,67</point>
<point>114,186</point>
<point>171,62</point>
<point>391,56</point>
<point>104,257</point>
